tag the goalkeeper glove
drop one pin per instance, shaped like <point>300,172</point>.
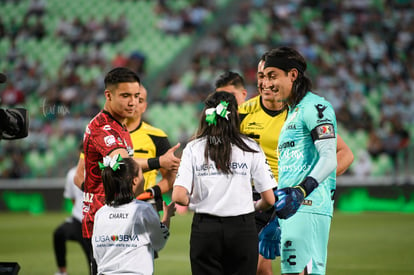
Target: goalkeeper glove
<point>269,240</point>
<point>290,198</point>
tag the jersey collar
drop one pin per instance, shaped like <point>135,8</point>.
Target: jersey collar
<point>109,114</point>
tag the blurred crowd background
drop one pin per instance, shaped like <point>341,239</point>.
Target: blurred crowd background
<point>55,54</point>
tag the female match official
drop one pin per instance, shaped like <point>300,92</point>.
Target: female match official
<point>214,180</point>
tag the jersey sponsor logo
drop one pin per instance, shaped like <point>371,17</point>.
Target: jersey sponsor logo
<point>294,168</point>
<point>233,165</point>
<point>326,120</point>
<point>238,165</point>
<point>287,144</point>
<point>325,131</point>
<point>116,238</point>
<point>238,168</point>
<point>107,127</point>
<point>320,108</point>
<point>255,124</point>
<point>291,127</point>
<point>291,154</point>
<point>109,140</point>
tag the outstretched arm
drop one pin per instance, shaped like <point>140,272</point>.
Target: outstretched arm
<point>168,161</point>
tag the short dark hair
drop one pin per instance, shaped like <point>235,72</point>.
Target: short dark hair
<point>229,78</point>
<point>120,75</point>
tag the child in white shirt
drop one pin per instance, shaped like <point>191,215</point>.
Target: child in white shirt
<point>127,231</point>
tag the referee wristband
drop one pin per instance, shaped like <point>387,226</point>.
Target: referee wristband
<point>154,163</point>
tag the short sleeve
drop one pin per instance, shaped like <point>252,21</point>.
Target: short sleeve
<point>185,171</point>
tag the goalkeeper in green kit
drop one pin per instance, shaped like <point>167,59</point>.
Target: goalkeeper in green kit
<point>307,167</point>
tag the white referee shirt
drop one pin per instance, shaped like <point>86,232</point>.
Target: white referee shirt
<point>125,237</point>
<point>74,193</point>
<point>215,193</point>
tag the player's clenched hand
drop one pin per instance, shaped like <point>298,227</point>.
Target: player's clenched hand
<point>289,199</point>
<point>169,161</point>
<point>269,240</point>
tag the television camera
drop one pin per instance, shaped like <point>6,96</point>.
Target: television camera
<point>14,122</point>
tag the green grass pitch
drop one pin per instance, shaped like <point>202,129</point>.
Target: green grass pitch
<point>375,243</point>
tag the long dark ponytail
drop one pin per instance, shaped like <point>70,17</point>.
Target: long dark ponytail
<point>222,135</point>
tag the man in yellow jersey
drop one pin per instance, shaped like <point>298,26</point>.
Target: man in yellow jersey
<point>262,118</point>
<point>150,142</point>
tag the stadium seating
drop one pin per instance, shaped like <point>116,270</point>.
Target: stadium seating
<point>160,51</point>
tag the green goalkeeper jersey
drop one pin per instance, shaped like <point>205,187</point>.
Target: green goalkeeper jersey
<point>312,119</point>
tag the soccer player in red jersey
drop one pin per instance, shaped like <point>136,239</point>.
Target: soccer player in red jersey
<point>106,135</point>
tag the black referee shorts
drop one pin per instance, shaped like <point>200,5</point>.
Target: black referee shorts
<point>223,245</point>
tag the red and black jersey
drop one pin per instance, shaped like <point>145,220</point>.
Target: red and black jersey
<point>102,135</point>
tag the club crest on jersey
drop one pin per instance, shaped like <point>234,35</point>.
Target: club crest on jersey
<point>325,131</point>
<point>109,140</point>
<point>320,108</point>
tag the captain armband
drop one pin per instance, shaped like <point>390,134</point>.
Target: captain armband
<point>323,131</point>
